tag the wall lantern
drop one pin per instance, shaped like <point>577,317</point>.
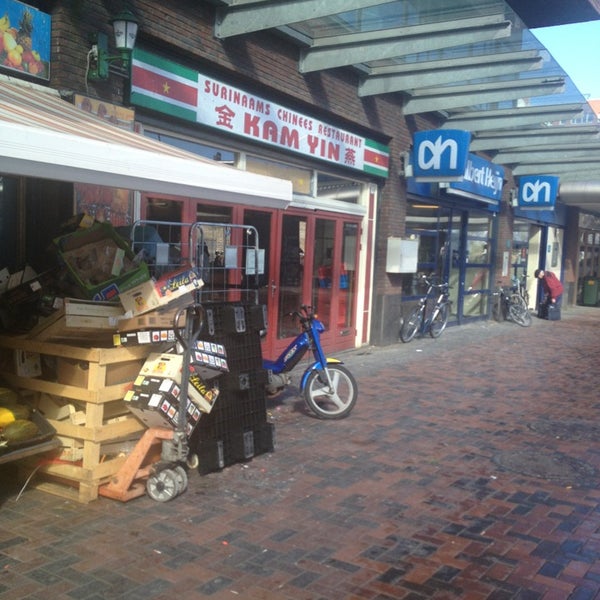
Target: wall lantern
<point>125,27</point>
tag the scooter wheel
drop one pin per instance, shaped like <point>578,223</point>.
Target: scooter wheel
<point>334,401</point>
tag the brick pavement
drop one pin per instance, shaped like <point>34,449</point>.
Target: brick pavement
<point>470,469</point>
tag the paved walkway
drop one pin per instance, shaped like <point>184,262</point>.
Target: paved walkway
<point>470,468</point>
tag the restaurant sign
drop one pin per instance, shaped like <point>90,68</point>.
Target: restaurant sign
<point>168,87</point>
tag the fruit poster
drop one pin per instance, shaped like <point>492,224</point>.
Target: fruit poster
<point>24,39</point>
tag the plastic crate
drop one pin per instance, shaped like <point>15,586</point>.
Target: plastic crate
<point>237,319</point>
<point>234,446</point>
<point>235,410</point>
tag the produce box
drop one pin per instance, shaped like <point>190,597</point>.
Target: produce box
<point>156,402</point>
<point>154,294</point>
<point>152,336</point>
<point>101,262</point>
<point>169,366</point>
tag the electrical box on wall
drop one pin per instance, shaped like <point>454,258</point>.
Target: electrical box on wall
<point>402,255</point>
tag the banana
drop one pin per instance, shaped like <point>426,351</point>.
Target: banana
<point>5,23</point>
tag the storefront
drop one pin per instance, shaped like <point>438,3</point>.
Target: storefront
<point>539,243</point>
<point>49,147</point>
<point>588,265</point>
<point>315,252</point>
<point>455,223</point>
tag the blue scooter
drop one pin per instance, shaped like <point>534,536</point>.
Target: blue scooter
<point>330,390</point>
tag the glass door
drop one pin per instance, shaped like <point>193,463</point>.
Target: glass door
<point>290,286</point>
<point>265,225</point>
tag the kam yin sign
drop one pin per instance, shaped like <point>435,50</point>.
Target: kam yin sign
<point>440,154</point>
<point>165,86</point>
<point>538,192</point>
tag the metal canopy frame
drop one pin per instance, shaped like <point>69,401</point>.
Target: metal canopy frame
<point>400,78</point>
<point>469,62</point>
<point>357,48</point>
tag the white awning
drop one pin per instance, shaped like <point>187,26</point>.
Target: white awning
<point>45,137</point>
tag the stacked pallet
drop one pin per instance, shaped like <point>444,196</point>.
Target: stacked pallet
<point>70,371</point>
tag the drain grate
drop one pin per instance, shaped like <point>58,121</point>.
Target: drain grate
<point>554,466</point>
<point>569,429</point>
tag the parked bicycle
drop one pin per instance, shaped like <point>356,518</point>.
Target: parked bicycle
<point>330,390</point>
<point>520,287</point>
<point>433,321</point>
<point>510,305</point>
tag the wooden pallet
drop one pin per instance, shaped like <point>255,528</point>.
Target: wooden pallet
<point>103,419</point>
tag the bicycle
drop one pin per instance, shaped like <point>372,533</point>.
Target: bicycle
<point>520,287</point>
<point>511,305</point>
<point>436,320</point>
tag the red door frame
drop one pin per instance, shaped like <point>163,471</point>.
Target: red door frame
<point>335,338</point>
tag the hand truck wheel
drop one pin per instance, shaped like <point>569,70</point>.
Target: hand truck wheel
<point>163,486</point>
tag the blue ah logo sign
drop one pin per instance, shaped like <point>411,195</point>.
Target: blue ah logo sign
<point>538,192</point>
<point>440,154</point>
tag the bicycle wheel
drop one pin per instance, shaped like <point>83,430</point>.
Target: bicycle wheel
<point>439,321</point>
<point>518,311</point>
<point>335,401</point>
<point>411,325</point>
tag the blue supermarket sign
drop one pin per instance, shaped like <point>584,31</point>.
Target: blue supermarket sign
<point>538,192</point>
<point>482,180</point>
<point>440,154</point>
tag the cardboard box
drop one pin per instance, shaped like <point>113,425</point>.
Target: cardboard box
<point>156,402</point>
<point>162,318</point>
<point>169,366</point>
<point>101,261</point>
<point>154,294</point>
<point>211,355</point>
<point>76,373</point>
<point>28,364</point>
<point>137,338</point>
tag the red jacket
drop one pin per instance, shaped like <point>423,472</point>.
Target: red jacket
<point>552,285</point>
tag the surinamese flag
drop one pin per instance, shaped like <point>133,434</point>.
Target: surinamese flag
<point>376,158</point>
<point>163,85</point>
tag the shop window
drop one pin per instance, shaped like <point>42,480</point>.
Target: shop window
<point>300,178</point>
<point>520,248</point>
<point>212,152</point>
<point>330,187</point>
<point>477,265</point>
<point>429,224</point>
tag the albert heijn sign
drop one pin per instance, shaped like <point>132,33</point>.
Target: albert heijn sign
<point>538,192</point>
<point>440,155</point>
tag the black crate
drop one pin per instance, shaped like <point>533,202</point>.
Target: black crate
<point>251,379</point>
<point>551,312</point>
<point>232,411</point>
<point>236,446</point>
<point>234,318</point>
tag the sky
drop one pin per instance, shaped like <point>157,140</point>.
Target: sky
<point>576,49</point>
